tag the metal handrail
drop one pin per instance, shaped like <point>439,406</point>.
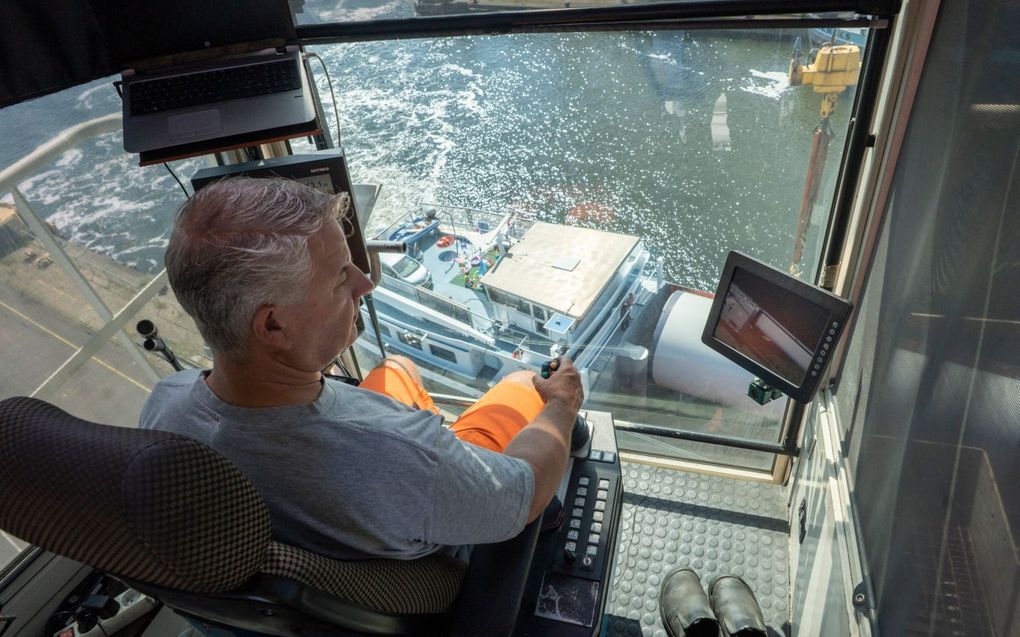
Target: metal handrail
<point>454,222</point>
<point>27,167</point>
<point>68,138</point>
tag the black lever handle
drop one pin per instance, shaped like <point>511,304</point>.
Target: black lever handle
<point>549,367</point>
<point>580,434</point>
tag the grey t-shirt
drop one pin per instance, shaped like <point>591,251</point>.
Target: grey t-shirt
<point>355,474</point>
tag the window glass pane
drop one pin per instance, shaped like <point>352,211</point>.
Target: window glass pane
<point>110,388</point>
<point>652,154</point>
<point>935,436</point>
<point>111,219</point>
<point>405,267</point>
<point>10,548</point>
<point>443,353</point>
<point>334,11</point>
<point>45,319</point>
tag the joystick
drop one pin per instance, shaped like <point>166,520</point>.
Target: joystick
<point>580,435</point>
<point>549,367</point>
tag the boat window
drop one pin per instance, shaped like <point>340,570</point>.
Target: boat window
<point>443,353</point>
<point>678,145</point>
<point>499,297</point>
<point>405,267</point>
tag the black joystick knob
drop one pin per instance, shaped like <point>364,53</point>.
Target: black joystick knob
<point>569,557</point>
<point>549,367</point>
<point>579,434</point>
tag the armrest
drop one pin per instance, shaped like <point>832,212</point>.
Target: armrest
<point>490,595</point>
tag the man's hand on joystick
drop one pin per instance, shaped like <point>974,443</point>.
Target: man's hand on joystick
<point>559,380</point>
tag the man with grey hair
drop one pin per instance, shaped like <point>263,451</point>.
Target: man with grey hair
<point>347,472</point>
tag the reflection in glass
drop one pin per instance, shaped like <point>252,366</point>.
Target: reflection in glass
<point>497,154</point>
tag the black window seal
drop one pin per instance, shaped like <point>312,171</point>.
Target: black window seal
<point>672,15</point>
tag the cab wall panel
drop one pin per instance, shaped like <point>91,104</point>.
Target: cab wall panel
<point>935,446</point>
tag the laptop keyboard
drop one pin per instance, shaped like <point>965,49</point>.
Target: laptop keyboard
<point>211,87</point>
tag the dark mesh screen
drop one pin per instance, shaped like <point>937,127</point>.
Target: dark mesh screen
<point>939,423</point>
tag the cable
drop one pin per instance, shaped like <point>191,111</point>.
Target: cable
<point>174,175</point>
<point>329,81</point>
<point>343,368</point>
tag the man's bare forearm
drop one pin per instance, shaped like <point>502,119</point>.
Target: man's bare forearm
<point>545,444</point>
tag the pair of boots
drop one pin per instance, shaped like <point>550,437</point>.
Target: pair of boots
<point>687,612</point>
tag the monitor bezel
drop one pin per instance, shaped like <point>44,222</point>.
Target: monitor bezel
<point>839,311</point>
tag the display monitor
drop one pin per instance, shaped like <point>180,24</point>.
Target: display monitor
<point>324,170</point>
<point>775,325</point>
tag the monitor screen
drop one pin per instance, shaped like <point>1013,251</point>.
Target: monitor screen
<point>775,325</point>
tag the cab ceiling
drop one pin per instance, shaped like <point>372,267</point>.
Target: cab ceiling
<point>47,46</point>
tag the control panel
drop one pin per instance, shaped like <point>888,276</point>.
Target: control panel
<point>568,583</point>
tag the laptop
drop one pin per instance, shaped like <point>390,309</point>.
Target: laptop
<point>228,80</point>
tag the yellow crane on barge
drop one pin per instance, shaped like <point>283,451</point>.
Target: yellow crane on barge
<point>835,67</point>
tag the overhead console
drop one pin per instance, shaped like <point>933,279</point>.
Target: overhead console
<point>776,326</point>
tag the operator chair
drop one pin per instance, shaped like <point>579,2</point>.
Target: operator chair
<point>172,518</point>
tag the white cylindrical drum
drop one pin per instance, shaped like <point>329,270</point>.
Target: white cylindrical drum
<point>680,361</point>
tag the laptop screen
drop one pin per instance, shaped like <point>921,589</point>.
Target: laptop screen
<point>138,30</point>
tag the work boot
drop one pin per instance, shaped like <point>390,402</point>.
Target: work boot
<point>684,606</point>
<point>736,607</point>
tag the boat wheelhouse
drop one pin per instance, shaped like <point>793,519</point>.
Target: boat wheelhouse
<point>507,292</point>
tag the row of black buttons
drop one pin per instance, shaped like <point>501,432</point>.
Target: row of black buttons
<point>595,531</point>
<point>820,359</point>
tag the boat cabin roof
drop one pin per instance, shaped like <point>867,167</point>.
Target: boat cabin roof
<point>564,268</point>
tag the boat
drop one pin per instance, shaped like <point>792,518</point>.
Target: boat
<point>847,35</point>
<point>506,292</point>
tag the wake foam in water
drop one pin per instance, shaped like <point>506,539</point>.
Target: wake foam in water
<point>568,128</point>
<point>769,84</point>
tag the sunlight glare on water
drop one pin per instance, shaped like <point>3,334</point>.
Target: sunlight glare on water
<point>606,130</point>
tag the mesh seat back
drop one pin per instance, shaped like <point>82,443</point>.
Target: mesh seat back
<point>405,587</point>
<point>146,505</point>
